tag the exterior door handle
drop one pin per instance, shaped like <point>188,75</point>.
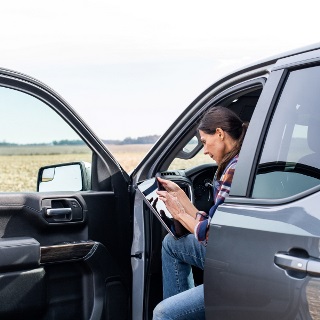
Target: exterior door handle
<point>58,212</point>
<point>307,265</point>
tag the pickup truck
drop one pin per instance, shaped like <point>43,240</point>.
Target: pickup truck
<point>83,244</point>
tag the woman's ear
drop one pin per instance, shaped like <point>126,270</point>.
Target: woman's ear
<point>220,133</point>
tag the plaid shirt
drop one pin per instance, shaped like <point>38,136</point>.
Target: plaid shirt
<point>221,190</point>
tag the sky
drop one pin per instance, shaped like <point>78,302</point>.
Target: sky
<point>129,68</point>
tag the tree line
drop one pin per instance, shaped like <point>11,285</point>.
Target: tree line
<point>140,140</point>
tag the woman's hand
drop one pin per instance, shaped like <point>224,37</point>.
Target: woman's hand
<point>172,204</point>
<point>170,186</point>
<point>177,210</point>
<point>175,191</point>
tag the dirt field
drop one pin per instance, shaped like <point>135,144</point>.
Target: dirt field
<point>19,165</point>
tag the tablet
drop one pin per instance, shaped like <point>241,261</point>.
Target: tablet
<point>148,190</point>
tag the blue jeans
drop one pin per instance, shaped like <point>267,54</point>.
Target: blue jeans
<point>182,300</point>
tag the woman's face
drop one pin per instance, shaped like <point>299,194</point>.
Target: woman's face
<point>214,145</point>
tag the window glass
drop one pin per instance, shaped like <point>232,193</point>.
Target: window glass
<point>290,161</point>
<point>32,135</point>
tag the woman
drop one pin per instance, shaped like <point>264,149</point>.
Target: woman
<point>222,133</point>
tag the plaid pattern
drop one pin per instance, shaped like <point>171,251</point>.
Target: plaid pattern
<point>221,190</point>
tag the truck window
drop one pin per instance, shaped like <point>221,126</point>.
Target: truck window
<point>290,161</point>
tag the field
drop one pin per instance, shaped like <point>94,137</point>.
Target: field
<point>19,165</point>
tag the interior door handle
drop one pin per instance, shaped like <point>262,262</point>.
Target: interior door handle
<point>58,212</point>
<point>288,262</point>
<point>62,210</point>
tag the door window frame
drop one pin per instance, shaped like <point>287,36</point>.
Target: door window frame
<point>252,147</point>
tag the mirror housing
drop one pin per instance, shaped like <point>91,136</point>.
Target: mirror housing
<point>191,148</point>
<point>72,176</point>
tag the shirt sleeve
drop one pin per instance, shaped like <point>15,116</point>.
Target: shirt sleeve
<point>201,230</point>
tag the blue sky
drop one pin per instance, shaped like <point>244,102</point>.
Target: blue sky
<point>121,63</point>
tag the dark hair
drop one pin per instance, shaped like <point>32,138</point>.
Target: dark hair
<point>228,121</point>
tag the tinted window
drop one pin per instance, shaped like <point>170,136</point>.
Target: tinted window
<point>290,162</point>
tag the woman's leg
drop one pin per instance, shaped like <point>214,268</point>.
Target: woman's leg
<point>177,258</point>
<point>185,305</point>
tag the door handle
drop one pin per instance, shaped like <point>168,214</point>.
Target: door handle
<point>287,262</point>
<point>58,212</point>
<point>308,265</point>
<point>62,210</point>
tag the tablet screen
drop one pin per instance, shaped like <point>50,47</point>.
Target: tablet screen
<point>148,189</point>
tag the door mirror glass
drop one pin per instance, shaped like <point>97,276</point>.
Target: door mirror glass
<point>74,176</point>
<point>190,155</point>
<point>191,148</point>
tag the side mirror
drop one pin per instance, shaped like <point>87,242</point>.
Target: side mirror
<point>73,176</point>
<point>191,148</point>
